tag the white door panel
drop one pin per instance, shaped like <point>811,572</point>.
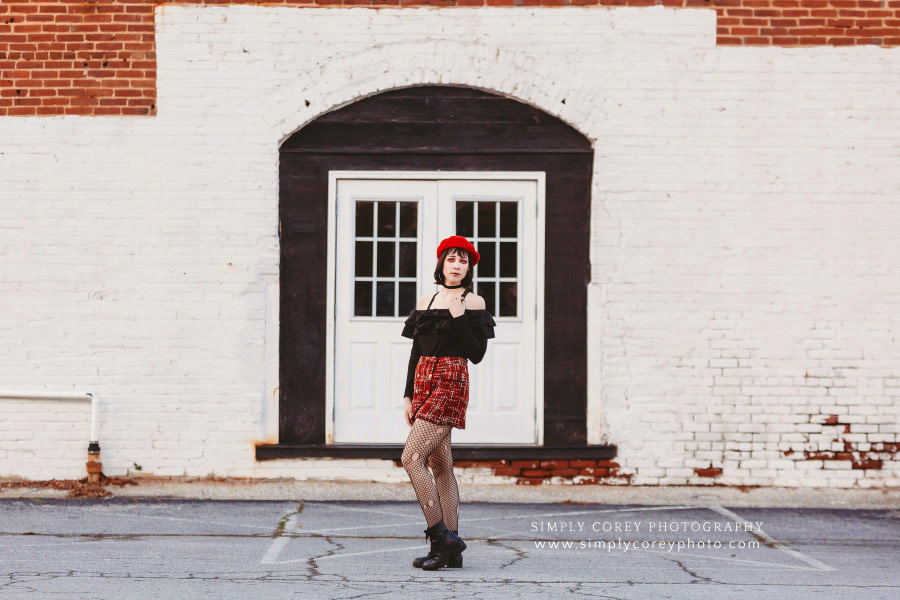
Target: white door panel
<point>381,227</point>
<point>386,233</point>
<point>498,216</point>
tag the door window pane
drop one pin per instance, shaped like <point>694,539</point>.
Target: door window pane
<point>508,259</point>
<point>385,259</point>
<point>407,297</point>
<point>362,299</point>
<point>408,219</point>
<point>384,299</point>
<point>508,298</point>
<point>387,216</point>
<point>487,261</point>
<point>487,219</point>
<point>509,219</point>
<point>494,229</point>
<point>385,265</point>
<point>486,291</point>
<point>408,259</point>
<point>465,224</point>
<point>364,258</point>
<point>364,219</point>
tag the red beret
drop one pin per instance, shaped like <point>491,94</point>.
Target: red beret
<point>458,241</point>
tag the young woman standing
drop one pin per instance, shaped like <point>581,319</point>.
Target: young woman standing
<point>451,329</point>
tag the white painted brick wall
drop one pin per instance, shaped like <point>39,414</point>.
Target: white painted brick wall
<point>49,435</point>
<point>744,252</point>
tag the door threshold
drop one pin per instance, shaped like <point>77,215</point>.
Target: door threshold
<point>460,452</point>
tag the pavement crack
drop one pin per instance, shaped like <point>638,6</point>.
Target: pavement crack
<point>279,531</point>
<point>368,594</point>
<point>519,553</point>
<point>696,577</point>
<point>580,589</point>
<point>312,563</point>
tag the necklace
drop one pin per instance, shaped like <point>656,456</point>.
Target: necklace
<point>451,287</point>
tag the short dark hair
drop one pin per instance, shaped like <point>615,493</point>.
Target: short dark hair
<point>439,269</point>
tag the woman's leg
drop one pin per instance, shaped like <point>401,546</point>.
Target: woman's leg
<point>441,463</point>
<point>424,438</point>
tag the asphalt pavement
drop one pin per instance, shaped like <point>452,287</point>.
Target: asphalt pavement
<point>321,544</point>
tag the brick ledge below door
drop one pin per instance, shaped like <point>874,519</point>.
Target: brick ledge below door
<point>460,452</point>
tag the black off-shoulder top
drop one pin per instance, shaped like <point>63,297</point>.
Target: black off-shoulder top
<point>436,333</point>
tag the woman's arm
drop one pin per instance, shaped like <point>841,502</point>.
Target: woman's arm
<point>411,368</point>
<point>473,347</point>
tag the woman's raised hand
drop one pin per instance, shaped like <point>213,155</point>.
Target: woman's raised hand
<point>457,306</point>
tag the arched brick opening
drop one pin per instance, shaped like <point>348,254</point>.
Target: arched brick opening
<point>432,127</point>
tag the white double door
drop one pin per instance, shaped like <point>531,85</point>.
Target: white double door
<point>386,234</point>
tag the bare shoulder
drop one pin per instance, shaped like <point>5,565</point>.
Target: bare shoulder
<point>423,301</point>
<point>474,302</point>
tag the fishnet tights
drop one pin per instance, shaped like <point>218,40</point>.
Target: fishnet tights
<point>439,497</point>
<point>441,463</point>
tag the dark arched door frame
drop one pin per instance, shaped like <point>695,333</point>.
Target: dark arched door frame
<point>433,128</point>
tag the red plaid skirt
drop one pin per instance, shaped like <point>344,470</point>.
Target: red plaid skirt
<point>441,390</point>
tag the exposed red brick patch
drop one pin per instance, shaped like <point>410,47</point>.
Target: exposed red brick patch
<point>860,459</point>
<point>554,464</point>
<point>490,464</point>
<point>708,472</point>
<point>532,472</point>
<point>594,472</point>
<point>507,472</point>
<point>875,454</point>
<point>563,472</point>
<point>535,473</point>
<point>530,481</point>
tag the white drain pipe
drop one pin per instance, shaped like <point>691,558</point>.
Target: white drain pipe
<point>93,466</point>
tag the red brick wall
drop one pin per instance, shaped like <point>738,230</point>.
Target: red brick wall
<point>77,58</point>
<point>98,57</point>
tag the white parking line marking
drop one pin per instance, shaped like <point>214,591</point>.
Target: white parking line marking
<point>775,543</point>
<point>280,542</point>
<point>726,558</point>
<point>173,519</point>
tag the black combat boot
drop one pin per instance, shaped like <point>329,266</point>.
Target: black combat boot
<point>455,561</point>
<point>444,544</point>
